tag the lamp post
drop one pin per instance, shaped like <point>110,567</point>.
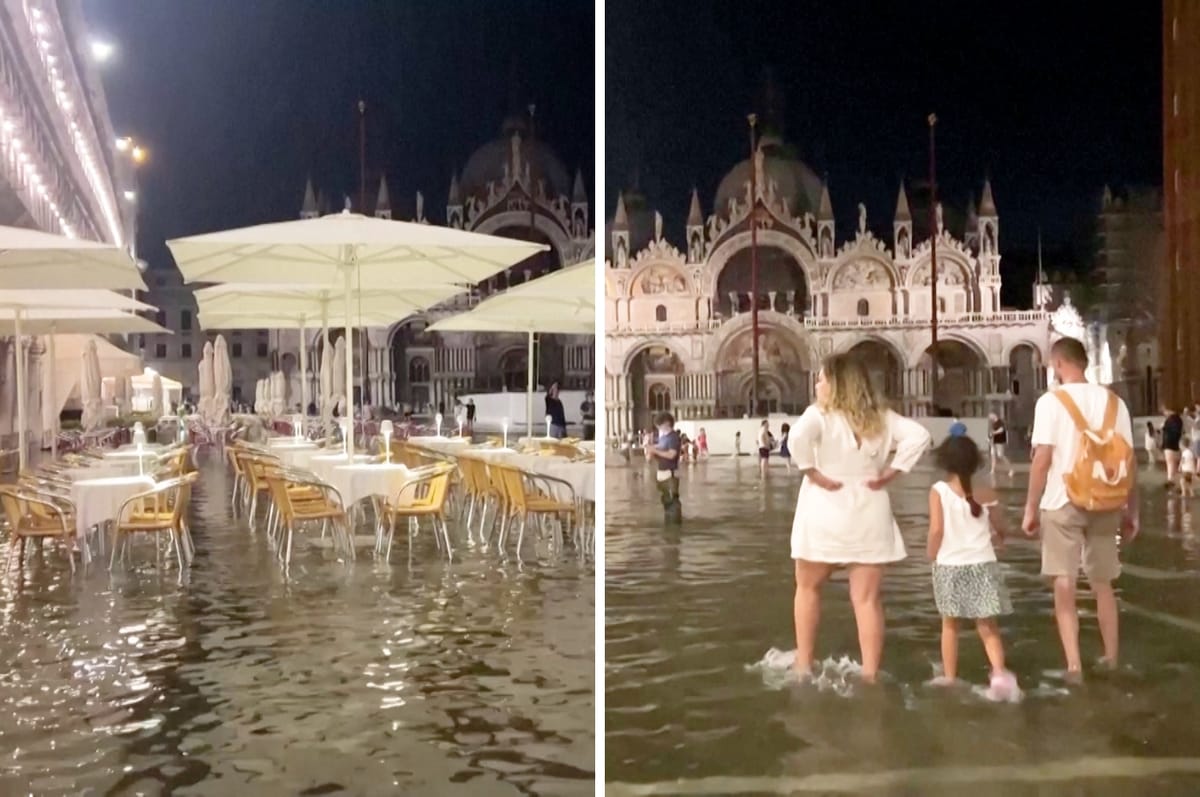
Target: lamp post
<point>754,404</point>
<point>933,270</point>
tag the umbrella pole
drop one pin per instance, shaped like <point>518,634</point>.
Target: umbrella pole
<point>53,397</point>
<point>326,412</point>
<point>20,362</point>
<point>349,367</point>
<point>529,390</point>
<point>303,372</point>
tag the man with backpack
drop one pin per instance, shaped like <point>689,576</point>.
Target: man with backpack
<point>1082,494</point>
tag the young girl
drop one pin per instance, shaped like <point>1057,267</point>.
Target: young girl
<point>1151,444</point>
<point>967,583</point>
<point>1187,470</point>
<point>702,444</point>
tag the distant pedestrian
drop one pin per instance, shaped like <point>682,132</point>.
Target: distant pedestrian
<point>765,444</point>
<point>588,410</point>
<point>957,428</point>
<point>1172,435</point>
<point>556,413</point>
<point>784,453</point>
<point>702,444</point>
<point>737,444</point>
<point>470,416</point>
<point>998,433</point>
<point>1150,442</point>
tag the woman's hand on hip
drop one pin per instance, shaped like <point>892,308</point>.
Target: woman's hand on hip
<point>823,481</point>
<point>883,479</point>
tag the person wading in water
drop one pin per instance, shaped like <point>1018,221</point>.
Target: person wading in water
<point>666,453</point>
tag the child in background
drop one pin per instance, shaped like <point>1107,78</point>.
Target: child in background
<point>1187,470</point>
<point>967,582</point>
<point>784,454</point>
<point>737,444</point>
<point>702,443</point>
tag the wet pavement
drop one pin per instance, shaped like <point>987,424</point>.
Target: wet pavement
<point>419,677</point>
<point>695,705</point>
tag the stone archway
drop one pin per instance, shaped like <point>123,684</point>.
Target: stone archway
<point>886,367</point>
<point>784,372</point>
<point>782,285</point>
<point>411,351</point>
<point>1026,380</point>
<point>652,375</point>
<point>792,248</point>
<point>962,380</point>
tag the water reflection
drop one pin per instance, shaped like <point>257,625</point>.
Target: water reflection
<point>466,678</point>
<point>692,610</point>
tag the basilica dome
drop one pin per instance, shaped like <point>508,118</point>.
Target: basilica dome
<point>794,180</point>
<point>488,163</point>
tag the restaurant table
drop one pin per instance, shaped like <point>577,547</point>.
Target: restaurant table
<point>97,501</point>
<point>366,480</point>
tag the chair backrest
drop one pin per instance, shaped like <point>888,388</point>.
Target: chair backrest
<point>514,485</point>
<point>278,484</point>
<point>14,507</point>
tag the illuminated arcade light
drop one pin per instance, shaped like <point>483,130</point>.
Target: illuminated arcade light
<point>124,143</point>
<point>130,196</point>
<point>138,154</point>
<point>102,50</point>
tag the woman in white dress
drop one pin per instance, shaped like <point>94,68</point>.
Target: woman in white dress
<point>843,513</point>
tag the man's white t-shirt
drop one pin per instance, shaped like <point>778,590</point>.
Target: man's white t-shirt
<point>1052,426</point>
<point>764,437</point>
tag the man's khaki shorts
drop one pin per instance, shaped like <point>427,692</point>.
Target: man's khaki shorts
<point>1072,537</point>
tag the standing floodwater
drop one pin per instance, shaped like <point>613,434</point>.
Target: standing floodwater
<point>470,678</point>
<point>694,705</point>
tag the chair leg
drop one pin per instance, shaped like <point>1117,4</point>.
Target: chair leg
<point>116,544</point>
<point>178,537</point>
<point>521,533</point>
<point>288,556</point>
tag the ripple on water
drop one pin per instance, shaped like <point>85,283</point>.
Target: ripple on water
<point>694,706</point>
<point>417,677</point>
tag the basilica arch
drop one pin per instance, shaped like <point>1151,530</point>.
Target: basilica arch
<point>786,365</point>
<point>653,368</point>
<point>886,365</point>
<point>964,377</point>
<point>555,235</point>
<point>795,247</point>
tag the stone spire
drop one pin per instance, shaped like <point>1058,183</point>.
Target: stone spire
<point>309,209</point>
<point>902,211</point>
<point>454,204</point>
<point>987,207</point>
<point>621,217</point>
<point>825,211</point>
<point>455,191</point>
<point>695,217</point>
<point>579,193</point>
<point>383,203</point>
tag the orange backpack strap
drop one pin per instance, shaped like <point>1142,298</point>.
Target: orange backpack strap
<point>1073,410</point>
<point>1110,414</point>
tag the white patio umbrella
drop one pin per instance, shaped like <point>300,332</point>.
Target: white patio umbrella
<point>40,311</point>
<point>260,397</point>
<point>563,301</point>
<point>348,251</point>
<point>222,381</point>
<point>34,259</point>
<point>93,407</point>
<point>278,394</point>
<point>259,306</point>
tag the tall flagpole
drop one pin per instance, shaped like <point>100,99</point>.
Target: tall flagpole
<point>365,393</point>
<point>754,403</point>
<point>933,269</point>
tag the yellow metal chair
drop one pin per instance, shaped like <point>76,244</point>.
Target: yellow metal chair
<point>161,509</point>
<point>328,508</point>
<point>421,496</point>
<point>525,501</point>
<point>38,516</point>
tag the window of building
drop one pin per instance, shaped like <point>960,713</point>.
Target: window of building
<point>185,320</point>
<point>418,370</point>
<point>660,398</point>
<point>660,313</point>
<point>864,308</point>
<point>160,351</point>
<point>236,349</point>
<point>262,349</point>
<point>185,351</point>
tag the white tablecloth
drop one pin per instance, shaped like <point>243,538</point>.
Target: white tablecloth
<point>103,469</point>
<point>285,441</point>
<point>98,501</point>
<point>356,482</point>
<point>296,455</point>
<point>322,465</point>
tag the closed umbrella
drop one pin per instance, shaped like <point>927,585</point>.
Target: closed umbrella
<point>121,395</point>
<point>338,394</point>
<point>222,382</point>
<point>156,397</point>
<point>326,381</point>
<point>93,406</point>
<point>278,394</point>
<point>207,386</point>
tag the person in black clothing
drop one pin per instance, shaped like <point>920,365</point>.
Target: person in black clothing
<point>588,409</point>
<point>665,452</point>
<point>470,417</point>
<point>999,439</point>
<point>558,415</point>
<point>1172,436</point>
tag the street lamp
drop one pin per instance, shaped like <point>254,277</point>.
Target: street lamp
<point>138,154</point>
<point>130,196</point>
<point>124,143</point>
<point>102,50</point>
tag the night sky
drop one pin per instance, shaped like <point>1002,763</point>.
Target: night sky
<point>1052,100</point>
<point>239,101</point>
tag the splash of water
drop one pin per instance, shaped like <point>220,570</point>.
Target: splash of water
<point>836,675</point>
